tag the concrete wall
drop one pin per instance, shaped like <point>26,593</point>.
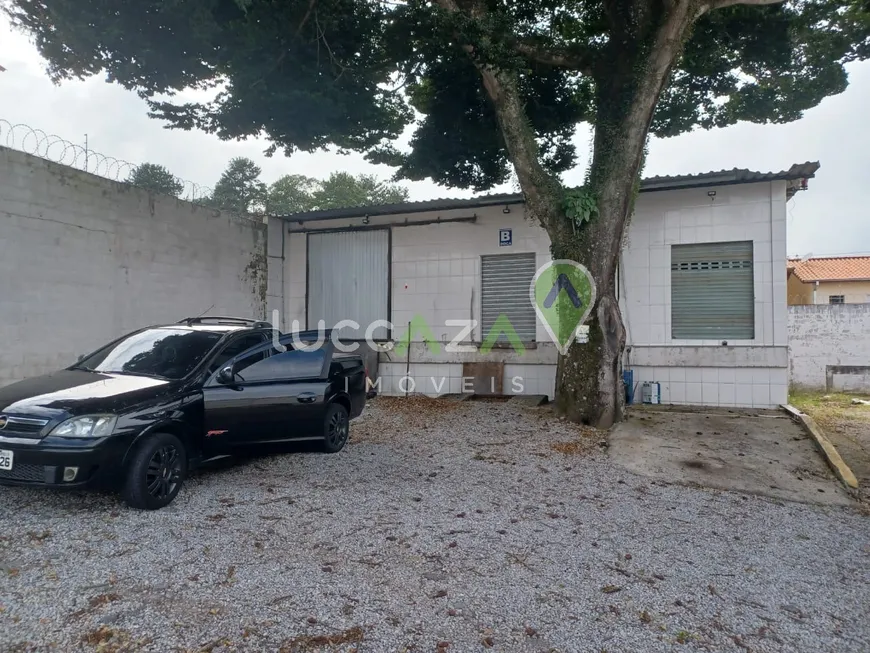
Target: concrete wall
<point>84,260</point>
<point>435,271</point>
<point>825,335</point>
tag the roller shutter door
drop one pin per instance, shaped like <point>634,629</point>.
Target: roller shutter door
<point>348,276</point>
<point>712,291</point>
<point>505,282</point>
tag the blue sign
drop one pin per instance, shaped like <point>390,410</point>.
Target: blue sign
<point>505,237</point>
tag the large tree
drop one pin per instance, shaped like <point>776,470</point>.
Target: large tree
<point>488,84</point>
<point>156,178</point>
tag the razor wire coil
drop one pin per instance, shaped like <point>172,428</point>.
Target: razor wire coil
<point>36,142</point>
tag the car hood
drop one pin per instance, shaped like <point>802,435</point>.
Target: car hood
<point>78,392</point>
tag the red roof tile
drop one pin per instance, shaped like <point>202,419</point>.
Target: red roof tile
<point>833,268</point>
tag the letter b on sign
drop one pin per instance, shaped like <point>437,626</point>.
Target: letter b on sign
<point>505,237</point>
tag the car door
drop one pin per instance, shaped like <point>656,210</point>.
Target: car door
<point>277,394</point>
<point>224,405</point>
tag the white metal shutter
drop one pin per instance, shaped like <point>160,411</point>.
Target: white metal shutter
<point>712,291</point>
<point>505,281</point>
<point>348,275</point>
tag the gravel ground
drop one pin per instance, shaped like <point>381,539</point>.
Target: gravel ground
<point>441,527</point>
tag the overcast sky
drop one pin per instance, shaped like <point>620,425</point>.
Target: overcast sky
<point>830,218</point>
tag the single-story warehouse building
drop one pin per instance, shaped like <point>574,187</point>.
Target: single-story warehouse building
<point>702,287</point>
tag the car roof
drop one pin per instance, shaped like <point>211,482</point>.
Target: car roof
<point>208,328</point>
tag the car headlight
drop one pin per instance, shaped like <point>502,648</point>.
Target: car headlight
<point>86,426</point>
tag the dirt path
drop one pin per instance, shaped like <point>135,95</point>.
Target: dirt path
<point>847,425</point>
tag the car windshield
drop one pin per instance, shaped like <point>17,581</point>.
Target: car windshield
<point>167,353</point>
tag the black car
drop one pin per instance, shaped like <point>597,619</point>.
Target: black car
<point>142,411</point>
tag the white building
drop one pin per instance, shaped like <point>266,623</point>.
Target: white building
<point>702,286</point>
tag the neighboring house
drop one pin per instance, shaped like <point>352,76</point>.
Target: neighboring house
<point>829,280</point>
<point>702,286</point>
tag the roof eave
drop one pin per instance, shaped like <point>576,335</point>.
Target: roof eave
<point>798,173</point>
<point>858,280</point>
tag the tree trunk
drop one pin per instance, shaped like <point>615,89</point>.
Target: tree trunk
<point>629,81</point>
<point>589,386</point>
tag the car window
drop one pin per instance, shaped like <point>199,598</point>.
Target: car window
<point>164,352</point>
<point>291,364</point>
<point>236,347</point>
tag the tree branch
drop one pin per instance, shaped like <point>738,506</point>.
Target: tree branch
<point>502,88</point>
<point>557,58</point>
<point>722,4</point>
<point>305,17</point>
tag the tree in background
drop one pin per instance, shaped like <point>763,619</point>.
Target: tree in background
<point>291,194</point>
<point>239,188</point>
<point>489,85</point>
<point>342,190</point>
<point>296,193</point>
<point>156,178</point>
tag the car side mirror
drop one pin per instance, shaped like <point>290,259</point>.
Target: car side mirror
<point>226,375</point>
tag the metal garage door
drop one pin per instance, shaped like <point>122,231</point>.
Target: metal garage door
<point>505,281</point>
<point>712,291</point>
<point>348,275</point>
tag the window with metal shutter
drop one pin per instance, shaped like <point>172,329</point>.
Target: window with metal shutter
<point>505,282</point>
<point>712,291</point>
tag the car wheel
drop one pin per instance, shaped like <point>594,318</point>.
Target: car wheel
<point>336,428</point>
<point>155,472</point>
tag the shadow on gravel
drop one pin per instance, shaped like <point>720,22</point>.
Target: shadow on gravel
<point>263,452</point>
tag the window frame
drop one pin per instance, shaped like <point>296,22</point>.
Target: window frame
<point>287,340</point>
<point>229,343</point>
<point>842,300</point>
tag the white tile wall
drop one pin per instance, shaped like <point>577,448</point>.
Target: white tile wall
<point>442,378</point>
<point>436,268</point>
<point>436,275</point>
<point>754,212</point>
<point>717,386</point>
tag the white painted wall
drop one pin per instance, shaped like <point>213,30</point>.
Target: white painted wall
<point>436,274</point>
<point>825,335</point>
<point>84,260</point>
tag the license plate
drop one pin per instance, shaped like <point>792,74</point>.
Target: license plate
<point>6,459</point>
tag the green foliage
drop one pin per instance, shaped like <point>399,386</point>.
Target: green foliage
<point>342,189</point>
<point>291,194</point>
<point>297,193</point>
<point>156,178</point>
<point>580,206</point>
<point>356,73</point>
<point>239,188</point>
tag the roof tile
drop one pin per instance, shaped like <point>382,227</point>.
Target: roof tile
<point>832,268</point>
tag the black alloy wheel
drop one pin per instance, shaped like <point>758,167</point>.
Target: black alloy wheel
<point>155,472</point>
<point>336,428</point>
<point>164,472</point>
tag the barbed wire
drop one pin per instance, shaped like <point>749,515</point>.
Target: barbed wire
<point>30,140</point>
